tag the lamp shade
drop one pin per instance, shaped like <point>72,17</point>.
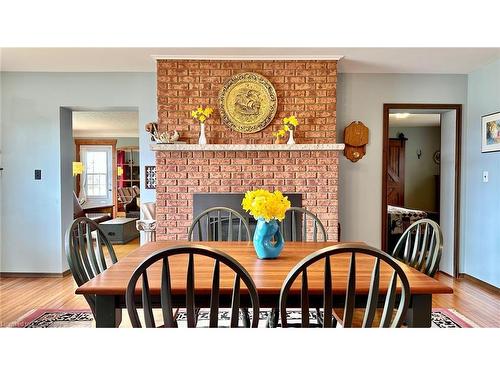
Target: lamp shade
<point>119,171</point>
<point>77,168</point>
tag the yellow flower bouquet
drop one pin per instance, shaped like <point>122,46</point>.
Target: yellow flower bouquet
<point>289,125</point>
<point>268,208</point>
<point>202,114</point>
<point>262,204</point>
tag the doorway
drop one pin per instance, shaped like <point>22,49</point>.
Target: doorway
<point>421,161</point>
<point>105,147</point>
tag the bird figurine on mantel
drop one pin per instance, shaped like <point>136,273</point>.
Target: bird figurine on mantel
<point>161,137</point>
<point>152,127</point>
<point>167,137</point>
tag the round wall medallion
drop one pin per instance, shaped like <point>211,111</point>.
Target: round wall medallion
<point>247,102</point>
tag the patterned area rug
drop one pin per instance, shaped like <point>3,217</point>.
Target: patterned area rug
<point>53,318</point>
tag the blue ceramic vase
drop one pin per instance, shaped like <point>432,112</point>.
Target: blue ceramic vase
<point>263,236</point>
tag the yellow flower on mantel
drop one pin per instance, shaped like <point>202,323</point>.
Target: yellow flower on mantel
<point>279,133</point>
<point>292,120</point>
<point>202,114</point>
<point>289,123</point>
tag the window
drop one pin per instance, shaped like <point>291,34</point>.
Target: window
<point>96,182</point>
<point>97,174</point>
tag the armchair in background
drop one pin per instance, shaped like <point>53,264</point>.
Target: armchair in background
<point>79,211</point>
<point>127,197</point>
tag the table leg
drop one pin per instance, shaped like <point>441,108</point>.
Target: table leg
<point>419,313</point>
<point>107,313</point>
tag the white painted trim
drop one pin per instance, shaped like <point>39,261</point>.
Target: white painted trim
<point>248,147</point>
<point>248,57</point>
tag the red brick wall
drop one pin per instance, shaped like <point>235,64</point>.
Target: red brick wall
<point>306,89</point>
<point>180,174</point>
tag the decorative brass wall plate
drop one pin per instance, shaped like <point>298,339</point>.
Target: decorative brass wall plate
<point>247,102</point>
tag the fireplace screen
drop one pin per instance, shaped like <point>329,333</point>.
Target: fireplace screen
<point>203,201</point>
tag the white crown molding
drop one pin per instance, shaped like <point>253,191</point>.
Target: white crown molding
<point>247,147</point>
<point>284,57</point>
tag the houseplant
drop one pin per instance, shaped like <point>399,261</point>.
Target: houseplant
<point>202,114</point>
<point>267,208</point>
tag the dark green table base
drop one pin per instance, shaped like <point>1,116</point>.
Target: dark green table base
<point>109,308</point>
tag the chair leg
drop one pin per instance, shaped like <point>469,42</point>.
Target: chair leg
<point>196,313</point>
<point>319,319</point>
<point>273,318</point>
<point>246,317</point>
<point>176,314</point>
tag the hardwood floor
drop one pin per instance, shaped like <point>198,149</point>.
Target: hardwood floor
<point>19,295</point>
<point>476,302</point>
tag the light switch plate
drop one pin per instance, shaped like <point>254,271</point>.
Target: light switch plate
<point>485,176</point>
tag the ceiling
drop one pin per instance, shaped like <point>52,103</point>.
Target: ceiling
<point>355,60</point>
<point>105,124</point>
<point>415,120</point>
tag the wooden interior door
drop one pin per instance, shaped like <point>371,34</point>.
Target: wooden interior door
<point>396,172</point>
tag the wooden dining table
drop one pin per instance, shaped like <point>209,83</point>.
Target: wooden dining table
<point>268,275</point>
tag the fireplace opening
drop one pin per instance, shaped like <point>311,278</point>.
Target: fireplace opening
<point>204,201</point>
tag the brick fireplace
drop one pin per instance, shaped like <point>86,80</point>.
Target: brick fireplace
<point>235,162</point>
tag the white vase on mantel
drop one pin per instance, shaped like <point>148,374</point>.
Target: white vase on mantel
<point>291,141</point>
<point>202,140</point>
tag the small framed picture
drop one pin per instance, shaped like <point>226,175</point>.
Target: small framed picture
<point>150,181</point>
<point>490,132</point>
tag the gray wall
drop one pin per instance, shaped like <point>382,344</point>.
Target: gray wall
<point>361,97</point>
<point>420,184</point>
<point>32,236</point>
<point>39,211</point>
<point>127,141</point>
<point>1,164</point>
<point>482,203</point>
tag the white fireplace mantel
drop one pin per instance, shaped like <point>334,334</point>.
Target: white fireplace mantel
<point>248,147</point>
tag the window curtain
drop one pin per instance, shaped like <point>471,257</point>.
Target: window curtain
<point>120,161</point>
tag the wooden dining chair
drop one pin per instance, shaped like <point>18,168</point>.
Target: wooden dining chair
<point>294,228</point>
<point>163,256</point>
<point>394,298</point>
<point>296,223</point>
<point>421,246</point>
<point>87,255</point>
<point>219,224</point>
